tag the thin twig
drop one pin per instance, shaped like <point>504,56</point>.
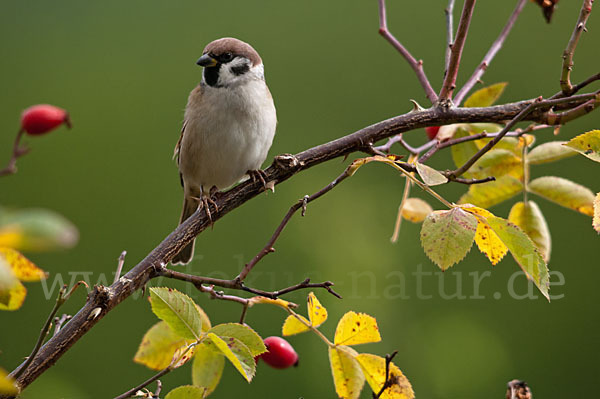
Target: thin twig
<point>59,321</point>
<point>564,117</point>
<point>565,79</point>
<point>158,389</point>
<point>449,11</point>
<point>388,381</point>
<point>17,152</point>
<point>300,204</point>
<point>155,377</point>
<point>120,266</point>
<point>398,223</point>
<point>385,148</point>
<point>60,299</point>
<point>496,46</point>
<point>456,52</point>
<point>417,66</point>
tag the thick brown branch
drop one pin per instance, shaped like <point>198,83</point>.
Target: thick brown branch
<point>103,299</point>
<point>417,66</point>
<point>565,79</point>
<point>456,52</point>
<point>496,46</point>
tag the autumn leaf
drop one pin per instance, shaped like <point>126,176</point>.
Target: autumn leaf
<point>23,268</point>
<point>415,210</point>
<point>587,144</point>
<point>497,163</point>
<point>293,326</point>
<point>158,347</point>
<point>486,96</point>
<point>317,314</point>
<point>447,236</point>
<point>375,372</point>
<point>488,194</point>
<point>7,384</point>
<point>12,292</point>
<point>348,377</point>
<point>486,239</point>
<point>523,251</point>
<point>565,193</point>
<point>531,220</point>
<point>242,333</point>
<point>186,392</point>
<point>356,328</point>
<point>236,352</point>
<point>549,152</point>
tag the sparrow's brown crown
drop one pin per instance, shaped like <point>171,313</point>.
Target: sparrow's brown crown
<point>235,47</point>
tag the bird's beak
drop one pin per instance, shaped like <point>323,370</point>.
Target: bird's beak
<point>206,61</point>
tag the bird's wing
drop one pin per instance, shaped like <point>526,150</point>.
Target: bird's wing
<point>178,145</point>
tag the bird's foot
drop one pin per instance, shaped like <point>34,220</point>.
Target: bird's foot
<point>258,175</point>
<point>204,201</point>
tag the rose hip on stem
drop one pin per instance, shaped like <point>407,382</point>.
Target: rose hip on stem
<point>280,354</point>
<point>42,118</point>
<point>432,131</point>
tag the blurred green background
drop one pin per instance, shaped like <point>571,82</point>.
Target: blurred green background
<point>124,69</point>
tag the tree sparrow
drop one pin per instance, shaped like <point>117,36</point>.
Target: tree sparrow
<point>228,126</point>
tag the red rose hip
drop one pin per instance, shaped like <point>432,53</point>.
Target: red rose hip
<point>432,131</point>
<point>280,354</point>
<point>42,118</point>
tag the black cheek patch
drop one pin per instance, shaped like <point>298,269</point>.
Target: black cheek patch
<point>240,69</point>
<point>211,75</point>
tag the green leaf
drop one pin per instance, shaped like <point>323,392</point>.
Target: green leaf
<point>488,194</point>
<point>374,368</point>
<point>549,152</point>
<point>178,310</point>
<point>236,352</point>
<point>430,176</point>
<point>186,392</point>
<point>447,236</point>
<point>158,347</point>
<point>348,377</point>
<point>587,144</point>
<point>523,250</point>
<point>207,368</point>
<point>531,220</point>
<point>243,333</point>
<point>497,163</point>
<point>486,96</point>
<point>565,193</point>
<point>36,230</point>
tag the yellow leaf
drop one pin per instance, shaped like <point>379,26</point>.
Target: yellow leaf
<point>415,210</point>
<point>159,347</point>
<point>587,144</point>
<point>549,152</point>
<point>486,96</point>
<point>277,302</point>
<point>565,193</point>
<point>356,328</point>
<point>7,384</point>
<point>347,374</point>
<point>491,193</point>
<point>374,370</point>
<point>13,298</point>
<point>531,220</point>
<point>486,239</point>
<point>316,312</point>
<point>293,326</point>
<point>596,221</point>
<point>23,268</point>
<point>11,236</point>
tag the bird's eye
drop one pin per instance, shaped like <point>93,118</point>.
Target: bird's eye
<point>226,57</point>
